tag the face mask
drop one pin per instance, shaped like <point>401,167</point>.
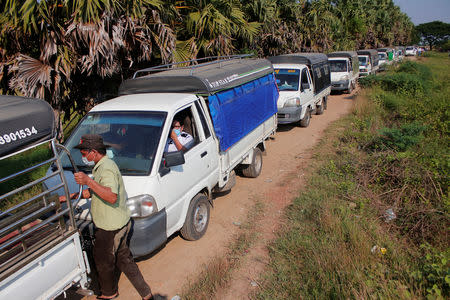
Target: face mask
<point>110,153</point>
<point>86,161</point>
<point>177,132</point>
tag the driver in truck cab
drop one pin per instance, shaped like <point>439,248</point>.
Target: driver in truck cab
<point>179,139</point>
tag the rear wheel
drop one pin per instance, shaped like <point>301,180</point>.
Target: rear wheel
<point>254,169</point>
<point>306,119</point>
<point>197,218</point>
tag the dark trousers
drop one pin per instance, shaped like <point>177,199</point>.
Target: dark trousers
<point>112,256</point>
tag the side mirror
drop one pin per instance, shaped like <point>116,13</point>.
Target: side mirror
<point>174,158</point>
<point>305,86</point>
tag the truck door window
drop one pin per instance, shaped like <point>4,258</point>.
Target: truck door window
<point>188,136</point>
<point>203,120</point>
<point>305,79</point>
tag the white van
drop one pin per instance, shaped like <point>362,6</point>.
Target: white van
<point>344,66</point>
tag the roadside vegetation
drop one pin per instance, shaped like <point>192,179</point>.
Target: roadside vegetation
<point>376,223</point>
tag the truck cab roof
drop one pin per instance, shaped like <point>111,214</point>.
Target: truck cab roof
<point>204,78</point>
<point>342,54</point>
<point>299,58</point>
<point>146,102</point>
<point>372,52</point>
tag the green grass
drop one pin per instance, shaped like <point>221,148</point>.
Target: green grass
<point>390,153</point>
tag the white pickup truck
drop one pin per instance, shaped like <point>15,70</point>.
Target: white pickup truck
<point>229,108</point>
<point>304,83</point>
<point>386,57</point>
<point>344,67</point>
<point>368,62</point>
<point>41,252</point>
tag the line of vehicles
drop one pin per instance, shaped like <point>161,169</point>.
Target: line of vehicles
<point>230,105</point>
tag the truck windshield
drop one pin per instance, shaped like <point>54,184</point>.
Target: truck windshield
<point>382,55</point>
<point>362,60</point>
<point>287,79</point>
<point>133,138</point>
<point>338,66</point>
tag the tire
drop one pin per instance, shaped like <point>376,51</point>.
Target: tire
<point>320,108</point>
<point>197,218</point>
<point>254,169</point>
<point>325,102</point>
<point>350,88</point>
<point>306,119</point>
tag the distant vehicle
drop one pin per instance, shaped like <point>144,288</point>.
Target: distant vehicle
<point>386,57</point>
<point>227,105</point>
<point>41,252</point>
<point>344,66</point>
<point>410,51</point>
<point>304,83</point>
<point>400,53</point>
<point>368,62</point>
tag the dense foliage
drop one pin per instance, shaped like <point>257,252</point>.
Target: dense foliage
<point>74,53</point>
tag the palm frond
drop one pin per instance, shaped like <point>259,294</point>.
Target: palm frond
<point>31,76</point>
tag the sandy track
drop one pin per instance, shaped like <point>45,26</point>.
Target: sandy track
<point>180,261</point>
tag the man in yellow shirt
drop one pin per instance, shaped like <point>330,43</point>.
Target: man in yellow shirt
<point>111,218</point>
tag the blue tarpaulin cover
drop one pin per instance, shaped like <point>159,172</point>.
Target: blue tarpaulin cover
<point>236,112</point>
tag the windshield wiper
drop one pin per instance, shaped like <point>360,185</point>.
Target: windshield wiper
<point>131,170</point>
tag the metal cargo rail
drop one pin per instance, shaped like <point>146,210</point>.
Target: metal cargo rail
<point>40,248</point>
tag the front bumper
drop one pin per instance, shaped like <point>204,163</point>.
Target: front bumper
<point>342,85</point>
<point>362,74</point>
<point>148,234</point>
<point>288,115</point>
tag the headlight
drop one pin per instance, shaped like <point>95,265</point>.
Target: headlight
<point>292,102</point>
<point>345,77</point>
<point>142,205</point>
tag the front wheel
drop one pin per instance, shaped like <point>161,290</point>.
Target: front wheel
<point>197,218</point>
<point>254,169</point>
<point>320,108</point>
<point>350,88</point>
<point>306,119</point>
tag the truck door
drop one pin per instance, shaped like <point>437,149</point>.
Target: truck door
<point>181,184</point>
<point>306,88</point>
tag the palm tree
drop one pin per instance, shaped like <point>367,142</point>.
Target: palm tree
<point>52,49</point>
<point>213,27</point>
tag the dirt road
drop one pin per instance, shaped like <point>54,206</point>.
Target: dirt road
<point>180,261</point>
